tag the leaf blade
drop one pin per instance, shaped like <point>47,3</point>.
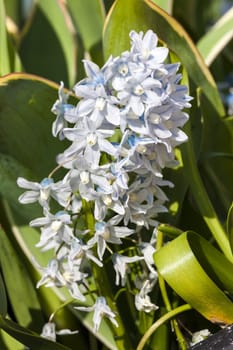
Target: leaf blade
<point>198,273</point>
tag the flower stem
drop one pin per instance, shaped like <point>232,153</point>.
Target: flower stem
<point>102,285</point>
<point>160,321</point>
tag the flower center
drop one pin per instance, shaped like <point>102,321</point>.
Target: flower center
<point>100,103</point>
<point>107,200</point>
<point>91,139</point>
<point>123,69</point>
<point>138,90</point>
<point>56,225</point>
<point>155,118</point>
<point>84,177</point>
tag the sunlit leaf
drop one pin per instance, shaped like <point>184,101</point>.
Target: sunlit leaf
<point>199,274</point>
<point>88,17</point>
<point>7,342</point>
<point>166,5</point>
<point>214,41</point>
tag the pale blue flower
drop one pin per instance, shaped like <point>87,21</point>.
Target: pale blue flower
<point>55,229</point>
<point>49,331</point>
<point>108,232</point>
<point>146,50</point>
<point>43,191</point>
<point>101,309</point>
<point>79,253</point>
<point>142,299</point>
<point>120,264</point>
<point>59,108</point>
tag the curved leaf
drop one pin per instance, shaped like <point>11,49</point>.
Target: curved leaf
<point>166,5</point>
<point>146,15</point>
<point>198,273</point>
<point>216,38</point>
<point>48,47</point>
<point>27,337</point>
<point>88,17</point>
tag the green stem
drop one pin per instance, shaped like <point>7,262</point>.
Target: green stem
<point>202,199</point>
<point>166,300</point>
<point>161,321</point>
<point>102,284</point>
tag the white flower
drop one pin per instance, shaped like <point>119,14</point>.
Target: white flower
<point>49,331</point>
<point>43,191</point>
<point>120,265</point>
<point>108,232</point>
<point>146,50</point>
<point>101,309</point>
<point>199,336</point>
<point>59,108</point>
<point>55,229</point>
<point>142,299</point>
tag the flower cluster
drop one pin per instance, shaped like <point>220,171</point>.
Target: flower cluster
<point>123,132</point>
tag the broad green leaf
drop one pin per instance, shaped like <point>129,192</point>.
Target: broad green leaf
<point>3,299</point>
<point>196,184</point>
<point>88,18</point>
<point>214,41</point>
<point>146,15</point>
<point>20,288</point>
<point>199,274</point>
<point>56,15</point>
<point>166,5</point>
<point>48,47</point>
<point>26,122</point>
<point>27,337</point>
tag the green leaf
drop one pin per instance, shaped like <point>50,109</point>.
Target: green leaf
<point>49,48</point>
<point>3,300</point>
<point>28,337</point>
<point>199,274</point>
<point>88,18</point>
<point>26,122</point>
<point>20,288</point>
<point>146,15</point>
<point>9,343</point>
<point>166,5</point>
<point>214,41</point>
